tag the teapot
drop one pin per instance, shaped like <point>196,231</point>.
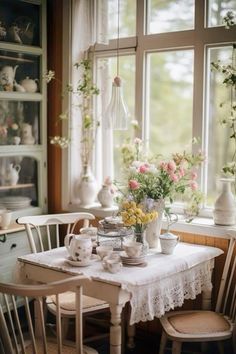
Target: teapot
<point>12,174</point>
<point>7,77</point>
<point>79,248</point>
<point>29,85</point>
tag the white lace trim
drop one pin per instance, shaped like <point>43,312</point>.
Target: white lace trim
<point>153,301</point>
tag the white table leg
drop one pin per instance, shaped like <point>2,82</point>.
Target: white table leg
<point>115,329</point>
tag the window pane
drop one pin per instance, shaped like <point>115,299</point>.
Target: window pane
<point>170,16</point>
<point>218,9</point>
<point>127,21</point>
<point>220,149</point>
<point>107,70</point>
<point>170,101</point>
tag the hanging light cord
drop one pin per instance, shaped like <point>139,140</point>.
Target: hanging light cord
<point>118,37</point>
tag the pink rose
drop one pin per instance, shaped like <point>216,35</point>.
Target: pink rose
<point>171,166</point>
<point>137,141</point>
<point>174,177</point>
<point>133,184</point>
<point>193,175</point>
<point>163,165</point>
<point>193,185</point>
<point>143,168</point>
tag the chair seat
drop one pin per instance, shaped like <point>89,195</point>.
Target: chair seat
<point>67,302</point>
<point>52,349</point>
<point>202,322</point>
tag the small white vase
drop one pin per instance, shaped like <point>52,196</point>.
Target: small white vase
<point>105,196</point>
<point>224,208</point>
<point>154,228</point>
<point>87,188</point>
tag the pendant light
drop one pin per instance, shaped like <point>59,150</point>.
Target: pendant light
<point>116,114</point>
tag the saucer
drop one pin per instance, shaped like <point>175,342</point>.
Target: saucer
<point>132,260</point>
<point>73,263</point>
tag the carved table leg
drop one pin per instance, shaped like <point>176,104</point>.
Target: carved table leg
<point>115,329</point>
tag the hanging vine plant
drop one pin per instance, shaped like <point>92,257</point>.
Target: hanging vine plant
<point>229,74</point>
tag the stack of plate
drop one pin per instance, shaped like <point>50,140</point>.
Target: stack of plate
<point>15,202</point>
<point>132,260</point>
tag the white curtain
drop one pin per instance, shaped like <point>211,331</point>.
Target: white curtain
<point>89,26</point>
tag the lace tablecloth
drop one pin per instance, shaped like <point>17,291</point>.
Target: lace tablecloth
<point>160,286</point>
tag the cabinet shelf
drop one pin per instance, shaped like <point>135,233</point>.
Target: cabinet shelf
<point>17,186</point>
<point>20,96</point>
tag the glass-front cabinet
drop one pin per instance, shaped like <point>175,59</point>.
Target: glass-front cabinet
<point>23,142</point>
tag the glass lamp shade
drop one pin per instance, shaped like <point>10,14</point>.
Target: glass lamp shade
<point>116,115</point>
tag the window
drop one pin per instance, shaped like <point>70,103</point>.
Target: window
<point>165,49</point>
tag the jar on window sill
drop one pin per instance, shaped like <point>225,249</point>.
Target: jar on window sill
<point>224,208</point>
<point>105,196</point>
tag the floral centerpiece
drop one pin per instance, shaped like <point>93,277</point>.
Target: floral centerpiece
<point>153,182</point>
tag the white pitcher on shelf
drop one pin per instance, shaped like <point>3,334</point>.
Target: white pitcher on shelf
<point>12,174</point>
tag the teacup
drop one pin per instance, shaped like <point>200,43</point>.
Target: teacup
<point>168,242</point>
<point>133,248</point>
<point>79,248</point>
<point>113,265</point>
<point>113,256</point>
<point>5,219</point>
<point>104,250</point>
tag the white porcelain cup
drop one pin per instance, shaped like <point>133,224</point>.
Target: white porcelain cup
<point>133,248</point>
<point>79,248</point>
<point>113,265</point>
<point>168,242</point>
<point>104,250</point>
<point>5,219</point>
<point>113,256</point>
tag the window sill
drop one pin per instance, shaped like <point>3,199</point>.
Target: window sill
<point>199,226</point>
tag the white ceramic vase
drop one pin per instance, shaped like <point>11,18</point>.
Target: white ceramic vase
<point>87,188</point>
<point>105,196</point>
<point>224,208</point>
<point>154,228</point>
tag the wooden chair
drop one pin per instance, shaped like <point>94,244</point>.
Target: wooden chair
<point>14,340</point>
<point>43,234</point>
<point>206,326</point>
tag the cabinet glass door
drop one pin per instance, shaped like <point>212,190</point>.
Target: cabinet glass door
<point>18,182</point>
<point>19,122</point>
<point>19,22</point>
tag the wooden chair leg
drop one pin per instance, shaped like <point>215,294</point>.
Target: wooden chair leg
<point>176,347</point>
<point>220,346</point>
<point>163,343</point>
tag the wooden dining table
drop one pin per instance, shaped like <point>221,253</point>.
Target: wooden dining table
<point>152,288</point>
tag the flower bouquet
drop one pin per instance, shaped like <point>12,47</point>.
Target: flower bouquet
<point>155,181</point>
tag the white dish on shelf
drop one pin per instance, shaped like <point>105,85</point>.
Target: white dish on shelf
<point>73,263</point>
<point>15,202</point>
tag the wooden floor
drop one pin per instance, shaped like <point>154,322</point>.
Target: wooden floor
<point>150,345</point>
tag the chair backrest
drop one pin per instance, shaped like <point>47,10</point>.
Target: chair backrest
<point>41,229</point>
<point>13,339</point>
<point>226,301</point>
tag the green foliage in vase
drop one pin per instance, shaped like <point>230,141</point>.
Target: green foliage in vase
<point>82,92</point>
<point>229,80</point>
